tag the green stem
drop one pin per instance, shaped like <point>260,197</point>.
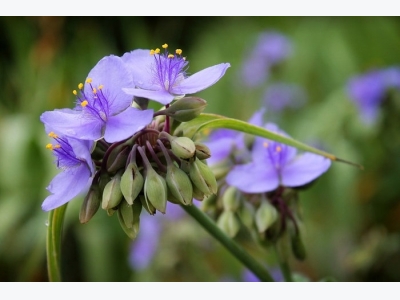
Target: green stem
<point>283,265</point>
<point>229,244</point>
<point>53,243</point>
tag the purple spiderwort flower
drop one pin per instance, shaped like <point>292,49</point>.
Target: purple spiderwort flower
<point>73,157</point>
<point>271,48</point>
<point>103,109</point>
<point>369,90</point>
<point>162,77</point>
<point>279,96</point>
<point>274,164</point>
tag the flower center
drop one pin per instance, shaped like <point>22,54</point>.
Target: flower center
<point>169,69</point>
<point>93,103</point>
<point>62,150</point>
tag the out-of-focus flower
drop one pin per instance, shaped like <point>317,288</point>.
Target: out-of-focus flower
<point>103,109</point>
<point>274,164</point>
<point>249,276</point>
<point>271,48</point>
<point>279,96</point>
<point>369,90</point>
<point>223,141</point>
<point>73,157</point>
<point>162,77</point>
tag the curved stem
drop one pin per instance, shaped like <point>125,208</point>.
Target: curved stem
<point>53,243</point>
<point>237,251</point>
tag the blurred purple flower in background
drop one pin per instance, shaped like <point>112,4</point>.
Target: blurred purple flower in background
<point>369,90</point>
<point>248,276</point>
<point>271,48</point>
<point>274,164</point>
<point>280,96</point>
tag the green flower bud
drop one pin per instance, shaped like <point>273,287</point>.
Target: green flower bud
<point>298,248</point>
<point>117,157</point>
<point>202,151</point>
<point>129,217</point>
<point>231,199</point>
<point>155,190</point>
<point>183,147</point>
<point>266,215</point>
<point>179,184</point>
<point>147,205</point>
<point>131,183</point>
<point>186,109</point>
<point>112,194</point>
<point>90,204</point>
<point>221,169</point>
<point>229,223</point>
<point>197,194</point>
<point>203,178</point>
<point>246,214</point>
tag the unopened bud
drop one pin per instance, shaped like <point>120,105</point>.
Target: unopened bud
<point>197,194</point>
<point>117,157</point>
<point>203,178</point>
<point>179,184</point>
<point>147,205</point>
<point>229,223</point>
<point>202,151</point>
<point>266,215</point>
<point>231,199</point>
<point>186,109</point>
<point>298,248</point>
<point>246,214</point>
<point>131,183</point>
<point>155,190</point>
<point>183,147</point>
<point>129,217</point>
<point>112,194</point>
<point>90,204</point>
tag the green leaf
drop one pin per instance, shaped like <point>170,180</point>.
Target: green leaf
<point>210,121</point>
<point>53,243</point>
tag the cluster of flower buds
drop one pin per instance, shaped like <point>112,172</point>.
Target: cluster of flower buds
<point>258,185</point>
<point>149,169</point>
<point>123,153</point>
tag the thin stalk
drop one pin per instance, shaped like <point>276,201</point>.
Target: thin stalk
<point>283,265</point>
<point>237,251</point>
<point>53,243</point>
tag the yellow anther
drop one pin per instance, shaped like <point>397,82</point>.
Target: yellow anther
<point>94,91</point>
<point>278,149</point>
<point>170,56</point>
<point>152,52</point>
<point>100,87</point>
<point>89,80</point>
<point>84,103</point>
<point>265,145</point>
<point>74,92</point>
<point>57,146</point>
<point>207,131</point>
<point>80,86</point>
<point>157,51</point>
<point>178,51</point>
<point>52,135</point>
<point>165,46</point>
<point>49,146</point>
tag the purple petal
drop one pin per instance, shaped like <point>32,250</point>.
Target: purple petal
<point>220,149</point>
<point>127,123</point>
<point>82,149</point>
<point>111,72</point>
<point>67,185</point>
<point>303,169</point>
<point>139,63</point>
<point>257,118</point>
<point>161,96</point>
<point>252,178</point>
<point>201,80</point>
<point>73,124</point>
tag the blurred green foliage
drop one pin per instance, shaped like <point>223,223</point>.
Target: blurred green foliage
<point>351,217</point>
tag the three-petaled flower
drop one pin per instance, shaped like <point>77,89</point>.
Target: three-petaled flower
<point>73,158</point>
<point>162,77</point>
<point>274,164</point>
<point>103,109</point>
